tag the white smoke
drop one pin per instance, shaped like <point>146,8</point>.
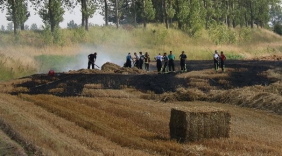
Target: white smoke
<point>103,56</point>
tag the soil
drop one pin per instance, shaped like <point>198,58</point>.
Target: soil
<point>244,73</point>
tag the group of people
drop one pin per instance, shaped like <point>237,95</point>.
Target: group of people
<point>165,63</point>
<point>219,60</point>
<point>138,60</point>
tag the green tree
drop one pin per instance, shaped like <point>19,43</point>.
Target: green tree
<point>275,13</point>
<point>71,24</point>
<point>148,12</point>
<point>17,13</point>
<point>2,28</point>
<point>182,12</point>
<point>88,8</point>
<point>278,28</point>
<point>52,13</point>
<point>10,26</point>
<point>33,26</point>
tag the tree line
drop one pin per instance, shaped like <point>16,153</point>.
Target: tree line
<point>187,15</point>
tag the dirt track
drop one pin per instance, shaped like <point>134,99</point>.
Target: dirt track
<point>244,73</point>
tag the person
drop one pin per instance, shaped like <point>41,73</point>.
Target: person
<point>171,59</point>
<point>137,58</point>
<point>165,60</point>
<point>182,58</point>
<point>141,60</point>
<point>91,60</point>
<point>222,60</point>
<point>159,62</point>
<point>128,60</point>
<point>215,60</point>
<point>147,61</point>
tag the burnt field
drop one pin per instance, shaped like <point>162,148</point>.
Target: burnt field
<point>238,73</point>
<point>126,111</point>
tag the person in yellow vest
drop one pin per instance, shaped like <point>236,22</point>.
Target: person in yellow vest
<point>147,61</point>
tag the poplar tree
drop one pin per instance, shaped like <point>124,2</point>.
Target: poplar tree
<point>182,12</point>
<point>88,8</point>
<point>52,13</point>
<point>16,13</point>
<point>148,12</point>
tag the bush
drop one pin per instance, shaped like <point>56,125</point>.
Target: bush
<point>278,28</point>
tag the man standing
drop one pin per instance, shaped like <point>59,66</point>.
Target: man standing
<point>215,60</point>
<point>222,60</point>
<point>147,61</point>
<point>159,62</point>
<point>137,60</point>
<point>171,59</point>
<point>165,58</point>
<point>141,60</point>
<point>128,60</point>
<point>182,58</point>
<point>91,60</point>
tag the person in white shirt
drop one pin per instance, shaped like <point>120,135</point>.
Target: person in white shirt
<point>159,62</point>
<point>216,60</point>
<point>137,60</point>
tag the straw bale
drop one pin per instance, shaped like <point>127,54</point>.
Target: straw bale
<point>110,66</point>
<point>85,71</point>
<point>193,124</point>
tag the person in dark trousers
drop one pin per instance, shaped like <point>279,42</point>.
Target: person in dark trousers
<point>147,61</point>
<point>165,60</point>
<point>222,60</point>
<point>171,59</point>
<point>91,60</point>
<point>182,58</point>
<point>215,60</point>
<point>137,62</point>
<point>128,60</point>
<point>159,62</point>
<point>141,60</point>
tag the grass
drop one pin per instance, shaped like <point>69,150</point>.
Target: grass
<point>32,54</point>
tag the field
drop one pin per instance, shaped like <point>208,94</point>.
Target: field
<point>127,112</point>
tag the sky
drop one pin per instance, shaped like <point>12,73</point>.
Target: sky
<point>68,16</point>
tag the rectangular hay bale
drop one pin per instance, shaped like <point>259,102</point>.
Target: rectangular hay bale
<point>193,124</point>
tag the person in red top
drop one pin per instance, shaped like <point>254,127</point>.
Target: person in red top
<point>222,60</point>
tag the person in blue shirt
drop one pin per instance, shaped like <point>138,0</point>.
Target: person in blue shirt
<point>128,60</point>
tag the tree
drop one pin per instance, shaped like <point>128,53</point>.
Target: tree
<point>33,26</point>
<point>148,12</point>
<point>26,27</point>
<point>2,28</point>
<point>52,13</point>
<point>275,13</point>
<point>182,12</point>
<point>10,26</point>
<point>278,28</point>
<point>72,24</point>
<point>88,8</point>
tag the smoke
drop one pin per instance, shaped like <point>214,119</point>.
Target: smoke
<point>80,61</point>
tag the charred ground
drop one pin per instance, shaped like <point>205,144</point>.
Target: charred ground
<point>243,73</point>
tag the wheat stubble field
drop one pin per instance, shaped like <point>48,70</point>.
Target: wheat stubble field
<point>109,113</point>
